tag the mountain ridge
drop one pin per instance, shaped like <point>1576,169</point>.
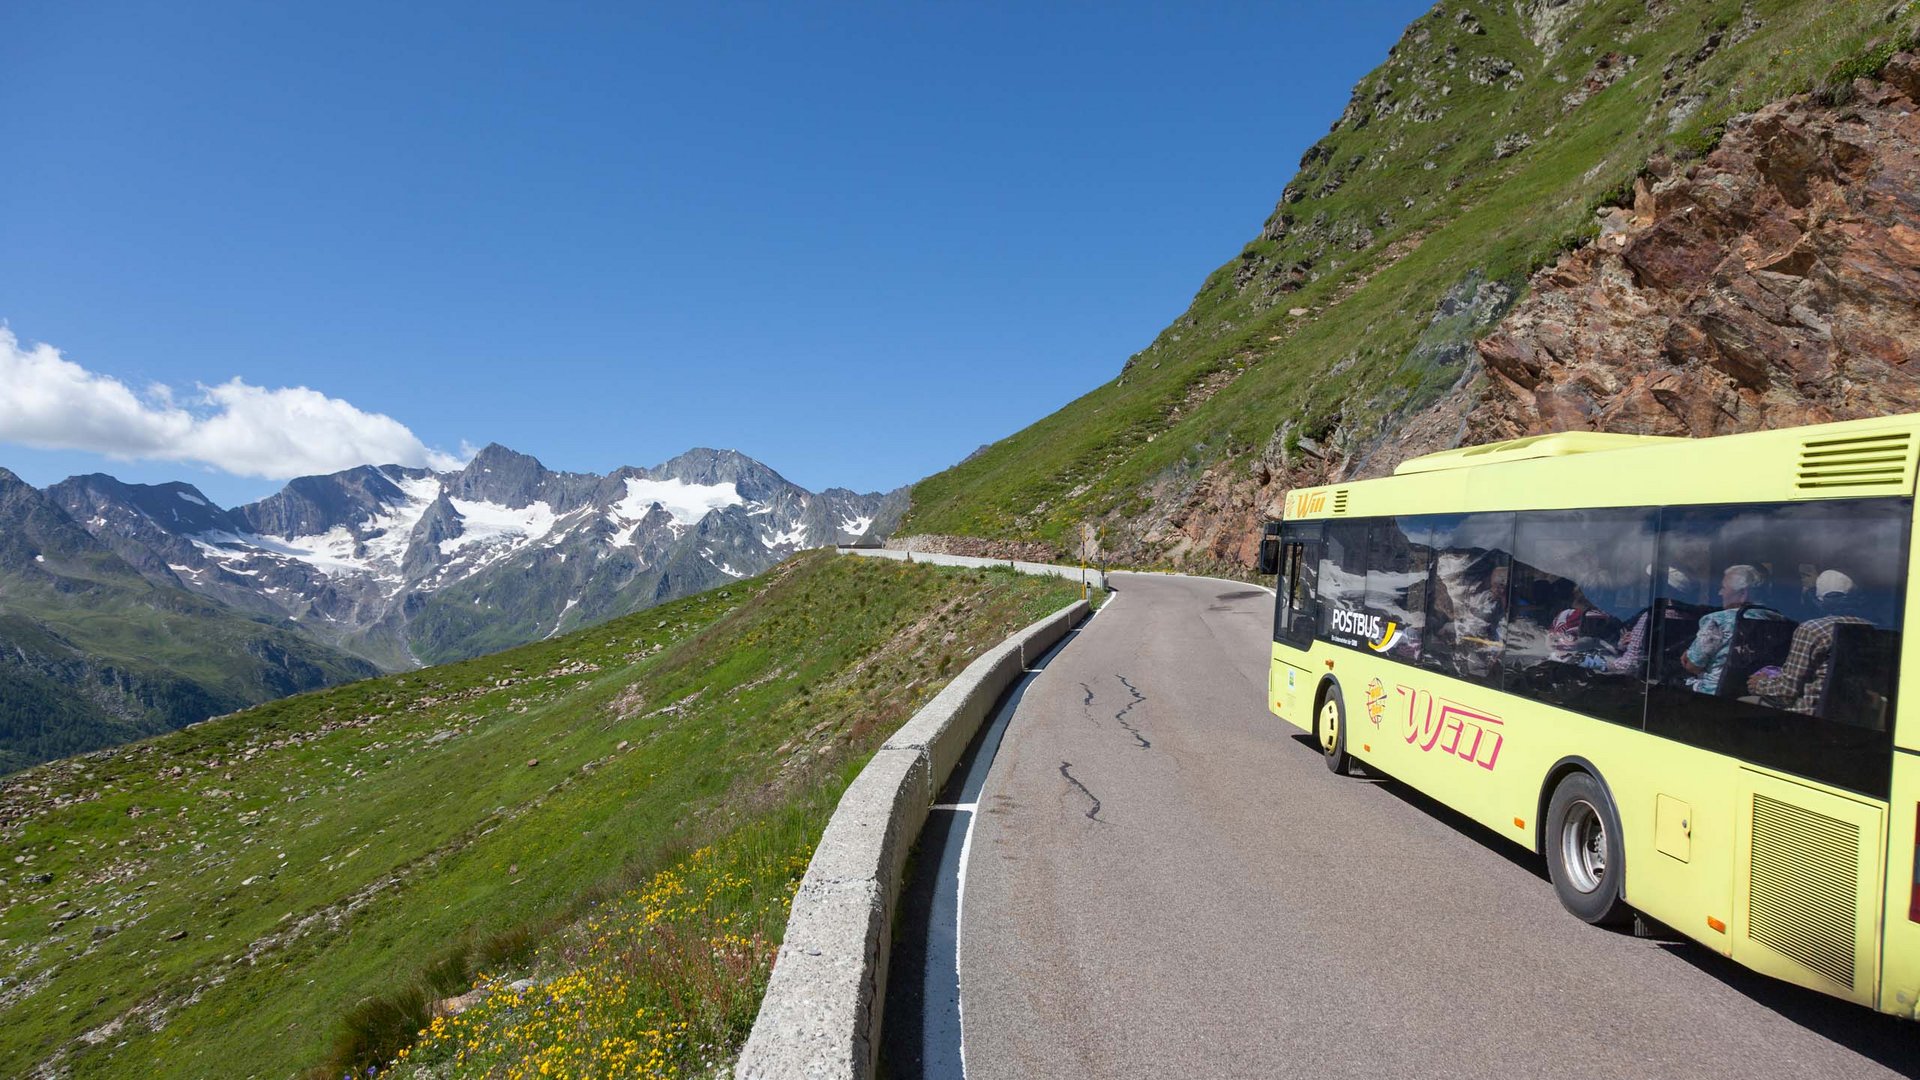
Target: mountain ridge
<point>377,567</point>
<point>95,652</point>
<point>360,558</point>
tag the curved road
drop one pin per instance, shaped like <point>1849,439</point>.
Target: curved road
<point>1165,881</point>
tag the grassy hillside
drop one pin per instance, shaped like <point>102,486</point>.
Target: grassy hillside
<point>251,895</point>
<point>1473,156</point>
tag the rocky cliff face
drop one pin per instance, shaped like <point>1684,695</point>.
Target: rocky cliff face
<point>1774,283</point>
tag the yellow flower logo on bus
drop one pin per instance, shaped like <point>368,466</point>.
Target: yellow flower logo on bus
<point>1376,702</point>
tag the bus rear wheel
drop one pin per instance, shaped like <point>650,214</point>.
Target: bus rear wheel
<point>1585,856</point>
<point>1332,731</point>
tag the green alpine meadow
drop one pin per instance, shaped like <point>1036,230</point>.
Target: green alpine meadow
<point>290,887</point>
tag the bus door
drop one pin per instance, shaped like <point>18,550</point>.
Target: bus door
<point>1296,616</point>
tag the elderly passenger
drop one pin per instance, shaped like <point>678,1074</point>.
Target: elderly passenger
<point>1797,684</point>
<point>1706,658</point>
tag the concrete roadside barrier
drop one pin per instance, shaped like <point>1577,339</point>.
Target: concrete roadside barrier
<point>820,1018</point>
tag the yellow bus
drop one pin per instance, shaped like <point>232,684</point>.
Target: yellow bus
<point>1670,666</point>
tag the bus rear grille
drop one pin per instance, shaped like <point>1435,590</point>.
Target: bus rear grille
<point>1856,461</point>
<point>1801,903</point>
<point>1340,501</point>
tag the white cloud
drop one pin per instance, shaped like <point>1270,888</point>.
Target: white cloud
<point>52,403</point>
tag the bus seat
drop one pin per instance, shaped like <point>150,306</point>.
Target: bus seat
<point>1857,668</point>
<point>1678,623</point>
<point>1758,641</point>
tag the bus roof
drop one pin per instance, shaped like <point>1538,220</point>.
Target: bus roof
<point>1558,444</point>
<point>1872,456</point>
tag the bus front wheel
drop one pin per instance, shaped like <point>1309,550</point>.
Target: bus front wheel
<point>1332,730</point>
<point>1584,849</point>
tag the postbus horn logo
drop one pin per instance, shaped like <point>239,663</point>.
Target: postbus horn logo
<point>1388,638</point>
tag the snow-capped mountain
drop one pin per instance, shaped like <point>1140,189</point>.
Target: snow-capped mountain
<point>407,566</point>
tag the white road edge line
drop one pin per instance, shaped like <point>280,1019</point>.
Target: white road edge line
<point>960,921</point>
<point>967,806</point>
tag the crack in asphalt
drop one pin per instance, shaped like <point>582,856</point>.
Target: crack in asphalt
<point>1086,706</point>
<point>1093,814</point>
<point>1121,716</point>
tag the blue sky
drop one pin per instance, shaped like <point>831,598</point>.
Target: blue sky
<point>855,242</point>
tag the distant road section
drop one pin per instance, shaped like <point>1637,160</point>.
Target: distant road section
<point>1088,574</point>
<point>1164,881</point>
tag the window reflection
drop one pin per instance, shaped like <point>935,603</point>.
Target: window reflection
<point>1581,594</point>
<point>1466,595</point>
<point>1802,610</point>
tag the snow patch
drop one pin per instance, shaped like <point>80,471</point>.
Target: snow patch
<point>857,526</point>
<point>191,499</point>
<point>488,524</point>
<point>338,551</point>
<point>39,558</point>
<point>796,536</point>
<point>571,603</point>
<point>388,550</point>
<point>687,503</point>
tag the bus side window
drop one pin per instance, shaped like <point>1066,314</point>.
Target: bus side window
<point>1399,564</point>
<point>1581,588</point>
<point>1780,634</point>
<point>1466,592</point>
<point>1343,571</point>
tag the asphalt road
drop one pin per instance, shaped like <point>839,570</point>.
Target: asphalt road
<point>1164,881</point>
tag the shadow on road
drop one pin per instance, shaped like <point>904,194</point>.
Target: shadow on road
<point>1892,1042</point>
<point>1461,823</point>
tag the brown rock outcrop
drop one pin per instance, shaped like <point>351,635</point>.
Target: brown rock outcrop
<point>1775,283</point>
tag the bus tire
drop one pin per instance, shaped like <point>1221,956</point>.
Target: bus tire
<point>1330,729</point>
<point>1585,851</point>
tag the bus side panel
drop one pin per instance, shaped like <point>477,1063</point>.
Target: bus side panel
<point>1489,756</point>
<point>1678,823</point>
<point>1807,890</point>
<point>1436,734</point>
<point>1900,944</point>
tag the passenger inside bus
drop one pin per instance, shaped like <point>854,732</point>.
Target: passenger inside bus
<point>1637,635</point>
<point>1726,639</point>
<point>1800,683</point>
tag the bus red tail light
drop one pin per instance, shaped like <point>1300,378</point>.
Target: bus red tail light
<point>1913,904</point>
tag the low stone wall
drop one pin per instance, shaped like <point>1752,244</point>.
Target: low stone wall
<point>1092,576</point>
<point>821,1015</point>
<point>934,543</point>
